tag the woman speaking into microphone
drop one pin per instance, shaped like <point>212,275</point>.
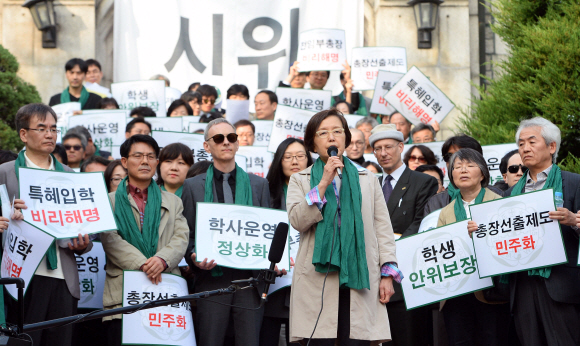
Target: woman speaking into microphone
<point>346,259</point>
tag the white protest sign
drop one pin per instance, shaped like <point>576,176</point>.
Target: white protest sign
<point>116,152</point>
<point>238,236</point>
<point>145,93</point>
<point>418,99</point>
<point>430,221</point>
<point>65,204</point>
<point>171,94</point>
<point>263,131</point>
<point>97,89</point>
<point>125,112</point>
<point>493,155</point>
<point>308,99</point>
<point>321,50</point>
<point>164,123</point>
<point>91,268</point>
<point>64,111</point>
<point>385,81</point>
<point>352,119</point>
<point>293,244</point>
<point>106,129</point>
<point>237,110</point>
<point>366,62</point>
<point>164,325</point>
<point>24,249</point>
<point>516,234</point>
<point>288,123</point>
<point>439,264</point>
<point>5,201</point>
<point>258,159</point>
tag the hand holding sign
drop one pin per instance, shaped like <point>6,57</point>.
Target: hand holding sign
<point>205,265</point>
<point>80,245</point>
<point>4,223</point>
<point>564,216</point>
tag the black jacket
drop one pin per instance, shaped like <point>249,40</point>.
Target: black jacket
<point>92,102</point>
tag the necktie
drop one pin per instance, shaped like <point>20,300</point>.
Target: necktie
<point>387,188</point>
<point>228,196</point>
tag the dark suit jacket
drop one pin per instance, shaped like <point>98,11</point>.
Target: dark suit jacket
<point>563,285</point>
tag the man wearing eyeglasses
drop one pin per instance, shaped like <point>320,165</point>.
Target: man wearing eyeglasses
<point>75,146</point>
<point>355,151</point>
<point>54,290</point>
<point>406,192</point>
<point>228,183</point>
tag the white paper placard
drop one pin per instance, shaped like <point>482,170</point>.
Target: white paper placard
<point>6,206</point>
<point>164,123</point>
<point>439,264</point>
<point>288,122</point>
<point>430,221</point>
<point>144,93</point>
<point>293,244</point>
<point>352,119</point>
<point>516,234</point>
<point>263,131</point>
<point>258,159</point>
<point>116,152</point>
<point>237,110</point>
<point>91,267</point>
<point>164,325</point>
<point>385,82</point>
<point>64,111</point>
<point>308,99</point>
<point>24,249</point>
<point>366,62</point>
<point>171,94</point>
<point>64,204</point>
<point>237,236</point>
<point>321,50</point>
<point>106,128</point>
<point>108,111</point>
<point>371,157</point>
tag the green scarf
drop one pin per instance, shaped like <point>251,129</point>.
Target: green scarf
<point>349,254</point>
<point>65,97</point>
<point>51,258</point>
<point>362,106</point>
<point>243,196</point>
<point>97,151</point>
<point>177,193</point>
<point>460,213</point>
<point>146,239</point>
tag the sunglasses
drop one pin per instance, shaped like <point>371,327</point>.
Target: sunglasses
<point>219,138</point>
<point>75,147</point>
<point>208,101</point>
<point>415,158</point>
<point>513,169</point>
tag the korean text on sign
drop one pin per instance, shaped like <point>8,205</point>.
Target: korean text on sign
<point>366,62</point>
<point>288,123</point>
<point>321,50</point>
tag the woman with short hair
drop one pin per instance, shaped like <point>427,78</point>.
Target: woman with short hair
<point>174,162</point>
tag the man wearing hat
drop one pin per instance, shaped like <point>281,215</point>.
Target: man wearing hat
<point>406,193</point>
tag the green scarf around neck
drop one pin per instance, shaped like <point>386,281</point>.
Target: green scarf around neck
<point>177,193</point>
<point>243,196</point>
<point>144,240</point>
<point>65,97</point>
<point>460,213</point>
<point>51,257</point>
<point>349,253</point>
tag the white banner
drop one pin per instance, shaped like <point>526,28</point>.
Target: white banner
<point>385,82</point>
<point>418,99</point>
<point>515,234</point>
<point>308,99</point>
<point>439,264</point>
<point>288,122</point>
<point>258,159</point>
<point>140,93</point>
<point>106,129</point>
<point>237,110</point>
<point>321,50</point>
<point>237,236</point>
<point>91,268</point>
<point>24,249</point>
<point>165,325</point>
<point>171,94</point>
<point>366,62</point>
<point>263,131</point>
<point>64,111</point>
<point>64,204</point>
<point>173,124</point>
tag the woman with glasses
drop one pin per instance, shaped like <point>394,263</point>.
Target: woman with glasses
<point>174,162</point>
<point>114,173</point>
<point>347,246</point>
<point>419,155</point>
<point>512,169</point>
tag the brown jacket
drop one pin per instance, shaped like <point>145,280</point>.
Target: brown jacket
<point>368,318</point>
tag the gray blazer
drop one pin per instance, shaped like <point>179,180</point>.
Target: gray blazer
<point>67,257</point>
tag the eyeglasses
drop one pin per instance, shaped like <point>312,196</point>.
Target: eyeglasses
<point>140,156</point>
<point>513,169</point>
<point>44,130</point>
<point>324,133</point>
<point>289,158</point>
<point>379,150</point>
<point>208,101</point>
<point>75,147</point>
<point>219,138</point>
<point>421,159</point>
<point>358,143</point>
<point>423,140</point>
<point>116,181</point>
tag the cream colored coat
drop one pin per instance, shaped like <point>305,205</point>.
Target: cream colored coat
<point>368,317</point>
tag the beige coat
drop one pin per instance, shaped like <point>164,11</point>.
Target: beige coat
<point>368,317</point>
<point>173,240</point>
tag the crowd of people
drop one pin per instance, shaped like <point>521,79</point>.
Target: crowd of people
<point>348,223</point>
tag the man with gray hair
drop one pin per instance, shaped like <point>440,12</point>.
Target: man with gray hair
<point>366,125</point>
<point>75,145</point>
<point>224,182</point>
<point>423,133</point>
<point>91,148</point>
<point>546,304</point>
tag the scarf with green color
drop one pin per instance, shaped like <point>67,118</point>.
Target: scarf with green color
<point>65,97</point>
<point>177,193</point>
<point>51,258</point>
<point>145,240</point>
<point>243,196</point>
<point>460,213</point>
<point>349,254</point>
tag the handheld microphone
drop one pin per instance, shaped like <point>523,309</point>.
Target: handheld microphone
<point>276,251</point>
<point>333,151</point>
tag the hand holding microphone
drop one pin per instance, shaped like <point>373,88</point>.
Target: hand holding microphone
<point>334,160</point>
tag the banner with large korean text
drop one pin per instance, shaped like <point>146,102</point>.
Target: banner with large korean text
<point>418,99</point>
<point>107,129</point>
<point>238,236</point>
<point>91,268</point>
<point>516,234</point>
<point>24,249</point>
<point>366,62</point>
<point>288,123</point>
<point>143,93</point>
<point>321,50</point>
<point>439,264</point>
<point>308,99</point>
<point>385,82</point>
<point>64,111</point>
<point>263,131</point>
<point>173,124</point>
<point>258,159</point>
<point>64,204</point>
<point>165,325</point>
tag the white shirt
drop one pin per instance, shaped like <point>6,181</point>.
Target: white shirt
<point>466,207</point>
<point>396,175</point>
